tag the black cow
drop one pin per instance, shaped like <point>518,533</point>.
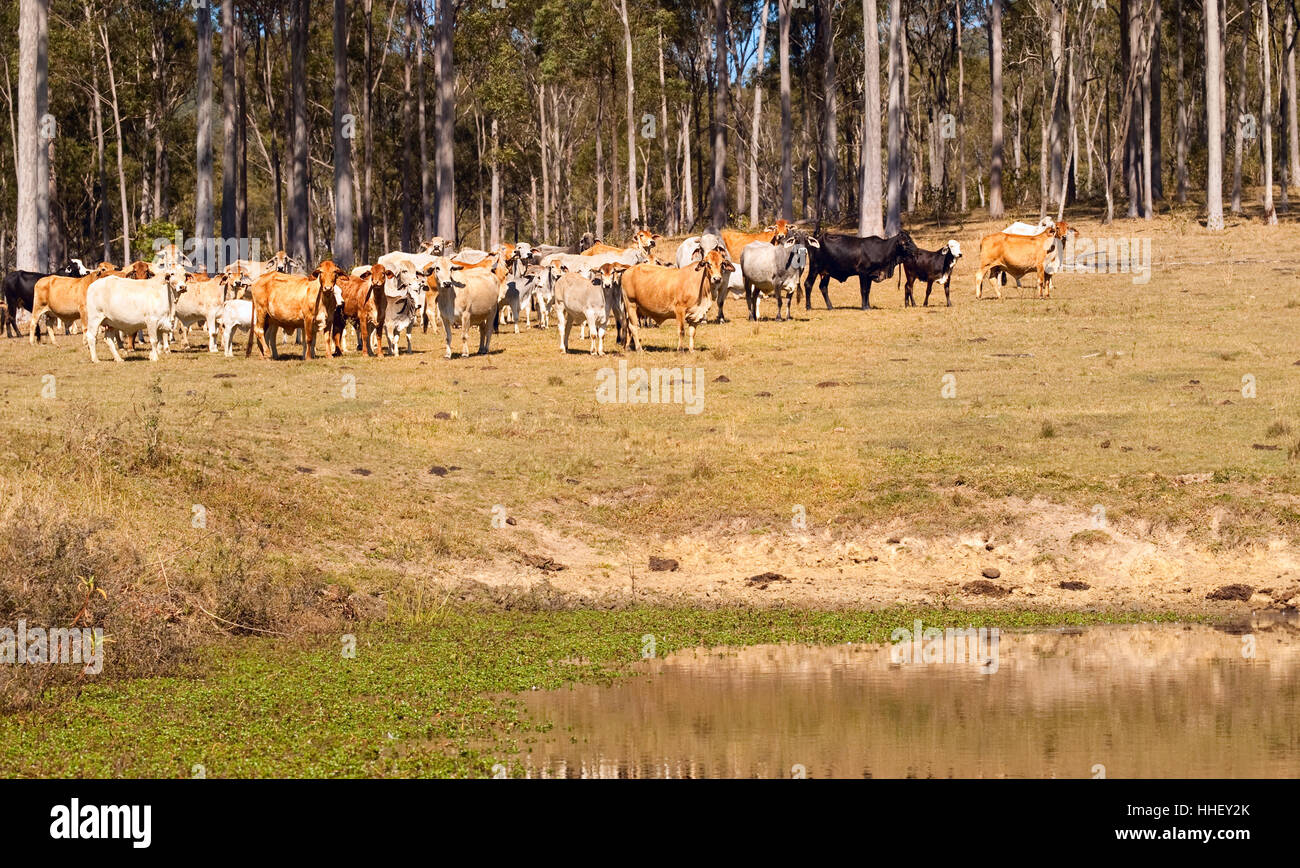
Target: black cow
<point>19,287</point>
<point>841,256</point>
<point>932,266</point>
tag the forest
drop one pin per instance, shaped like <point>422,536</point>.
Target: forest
<point>348,129</point>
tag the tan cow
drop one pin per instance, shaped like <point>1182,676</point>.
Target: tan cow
<point>1017,255</point>
<point>293,301</point>
<point>471,297</point>
<point>662,293</point>
<point>64,298</point>
<point>256,268</point>
<point>359,307</point>
<point>736,240</point>
<point>644,240</point>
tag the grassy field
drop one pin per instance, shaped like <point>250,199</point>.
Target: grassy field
<point>1120,448</point>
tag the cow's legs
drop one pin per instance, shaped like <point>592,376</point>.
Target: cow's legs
<point>112,345</point>
<point>90,340</point>
<point>464,334</point>
<point>153,331</point>
<point>681,329</point>
<point>591,330</point>
<point>634,335</point>
<point>564,324</point>
<point>446,328</point>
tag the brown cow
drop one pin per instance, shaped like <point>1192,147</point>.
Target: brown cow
<point>138,270</point>
<point>359,307</point>
<point>1017,255</point>
<point>292,301</point>
<point>661,293</point>
<point>644,240</point>
<point>64,298</point>
<point>736,240</point>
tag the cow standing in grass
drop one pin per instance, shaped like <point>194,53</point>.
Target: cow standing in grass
<point>685,294</point>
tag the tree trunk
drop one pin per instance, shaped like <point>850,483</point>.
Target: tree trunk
<point>670,221</point>
<point>893,215</point>
<point>203,123</point>
<point>1213,120</point>
<point>634,208</point>
<point>1266,114</point>
<point>1292,116</point>
<point>343,134</point>
<point>32,184</point>
<point>117,126</point>
<point>1153,86</point>
<point>718,203</point>
<point>829,206</point>
<point>301,199</point>
<point>870,217</point>
<point>426,179</point>
<point>961,110</point>
<point>445,153</point>
<point>787,136</point>
<point>1055,137</point>
<point>996,209</point>
<point>367,9</point>
<point>1181,122</point>
<point>229,104</point>
<point>494,237</point>
<point>600,163</point>
<point>1239,135</point>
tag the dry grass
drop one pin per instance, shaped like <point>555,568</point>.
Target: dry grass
<point>393,490</point>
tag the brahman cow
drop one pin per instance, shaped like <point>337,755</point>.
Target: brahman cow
<point>234,313</point>
<point>592,300</point>
<point>661,293</point>
<point>292,301</point>
<point>870,259</point>
<point>360,303</point>
<point>736,241</point>
<point>932,266</point>
<point>471,296</point>
<point>644,240</point>
<point>64,298</point>
<point>254,268</point>
<point>1003,253</point>
<point>202,300</point>
<point>775,268</point>
<point>124,306</point>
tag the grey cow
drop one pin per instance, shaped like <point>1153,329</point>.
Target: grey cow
<point>775,268</point>
<point>594,300</point>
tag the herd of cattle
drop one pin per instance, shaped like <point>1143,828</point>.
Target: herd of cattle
<point>598,286</point>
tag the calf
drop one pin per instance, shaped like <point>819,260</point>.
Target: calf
<point>593,300</point>
<point>470,296</point>
<point>1003,253</point>
<point>124,306</point>
<point>775,268</point>
<point>63,298</point>
<point>234,313</point>
<point>870,259</point>
<point>292,301</point>
<point>661,293</point>
<point>932,266</point>
<point>399,306</point>
<point>201,301</point>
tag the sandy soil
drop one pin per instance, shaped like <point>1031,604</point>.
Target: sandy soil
<point>1123,568</point>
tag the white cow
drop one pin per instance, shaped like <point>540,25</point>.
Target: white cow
<point>201,301</point>
<point>404,303</point>
<point>594,301</point>
<point>235,313</point>
<point>471,296</point>
<point>126,306</point>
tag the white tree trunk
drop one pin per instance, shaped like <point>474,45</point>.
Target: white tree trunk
<point>870,217</point>
<point>1213,119</point>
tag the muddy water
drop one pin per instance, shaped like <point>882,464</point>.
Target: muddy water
<point>1140,701</point>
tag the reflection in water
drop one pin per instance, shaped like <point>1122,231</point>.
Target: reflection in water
<point>1142,701</point>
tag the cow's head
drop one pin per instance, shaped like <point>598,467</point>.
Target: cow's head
<point>140,270</point>
<point>282,262</point>
<point>75,268</point>
<point>796,245</point>
<point>103,270</point>
<point>328,275</point>
<point>523,252</point>
<point>234,284</point>
<point>376,276</point>
<point>442,273</point>
<point>954,250</point>
<point>435,246</point>
<point>1061,229</point>
<point>780,229</point>
<point>715,266</point>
